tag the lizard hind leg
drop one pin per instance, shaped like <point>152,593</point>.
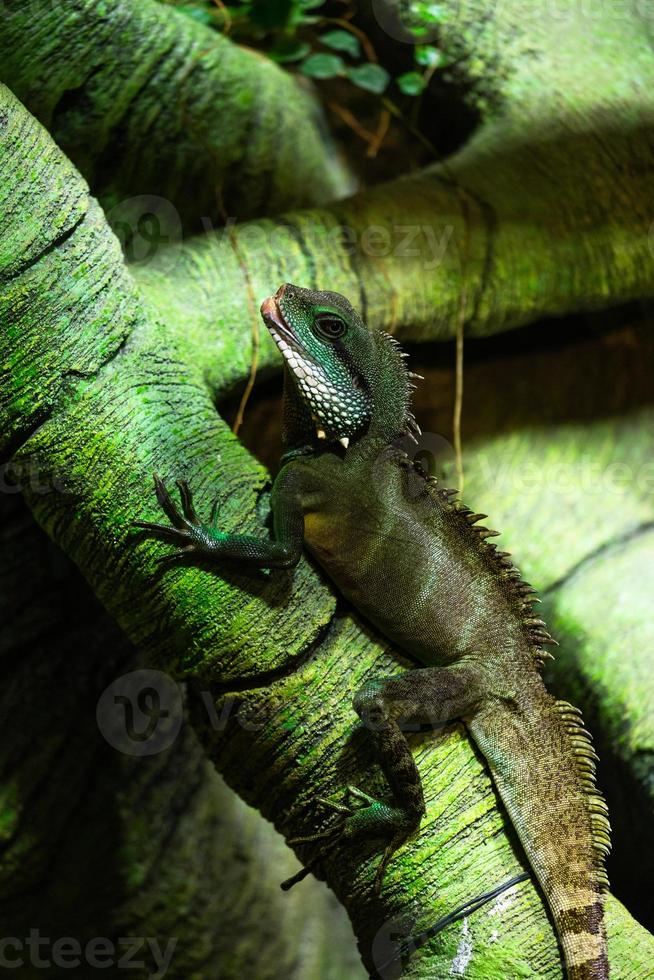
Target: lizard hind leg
<point>367,817</point>
<point>431,694</point>
<point>397,820</point>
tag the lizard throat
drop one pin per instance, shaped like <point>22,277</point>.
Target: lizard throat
<point>334,415</point>
<point>338,409</point>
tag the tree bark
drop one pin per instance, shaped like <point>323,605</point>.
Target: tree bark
<point>98,842</point>
<point>544,211</point>
<point>102,392</point>
<point>148,103</point>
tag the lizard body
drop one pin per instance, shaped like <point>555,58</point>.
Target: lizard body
<point>415,562</point>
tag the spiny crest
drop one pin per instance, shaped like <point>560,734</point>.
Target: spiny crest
<point>405,378</point>
<point>580,738</point>
<point>523,593</point>
<point>585,759</point>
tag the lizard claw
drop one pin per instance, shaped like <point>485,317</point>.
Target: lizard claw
<point>364,817</point>
<point>366,799</point>
<point>321,835</point>
<point>354,791</point>
<point>184,530</point>
<point>187,501</point>
<point>389,851</point>
<point>333,805</point>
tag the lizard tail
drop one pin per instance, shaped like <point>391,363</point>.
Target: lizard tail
<point>542,763</point>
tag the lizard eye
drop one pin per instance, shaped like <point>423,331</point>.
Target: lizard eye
<point>329,326</point>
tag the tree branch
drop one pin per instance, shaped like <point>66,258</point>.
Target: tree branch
<point>100,840</point>
<point>146,101</point>
<point>112,395</point>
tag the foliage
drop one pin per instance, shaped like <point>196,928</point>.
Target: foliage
<point>292,33</point>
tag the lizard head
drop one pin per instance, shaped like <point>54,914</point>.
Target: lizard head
<point>342,378</point>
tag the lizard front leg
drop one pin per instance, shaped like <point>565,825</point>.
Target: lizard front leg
<point>428,695</point>
<point>193,537</point>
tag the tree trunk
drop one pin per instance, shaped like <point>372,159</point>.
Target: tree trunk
<point>102,392</point>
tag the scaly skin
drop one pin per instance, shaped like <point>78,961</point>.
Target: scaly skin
<point>414,561</point>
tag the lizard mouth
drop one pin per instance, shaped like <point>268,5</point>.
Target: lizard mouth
<point>274,319</point>
<point>293,351</point>
<point>310,379</point>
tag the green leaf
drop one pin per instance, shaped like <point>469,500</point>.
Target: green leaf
<point>301,15</point>
<point>289,49</point>
<point>411,83</point>
<point>322,66</point>
<point>372,78</point>
<point>342,41</point>
<point>427,55</point>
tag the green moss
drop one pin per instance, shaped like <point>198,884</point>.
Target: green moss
<point>148,404</point>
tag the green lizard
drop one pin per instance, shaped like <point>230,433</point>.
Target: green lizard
<point>414,561</point>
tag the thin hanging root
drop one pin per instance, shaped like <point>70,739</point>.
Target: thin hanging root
<point>252,303</point>
<point>351,120</point>
<point>458,396</point>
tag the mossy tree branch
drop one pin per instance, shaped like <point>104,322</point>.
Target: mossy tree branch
<point>146,101</point>
<point>109,393</point>
<point>97,842</point>
<point>107,386</point>
<point>544,211</point>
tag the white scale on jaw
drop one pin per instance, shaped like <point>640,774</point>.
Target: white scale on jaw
<point>316,391</point>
